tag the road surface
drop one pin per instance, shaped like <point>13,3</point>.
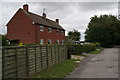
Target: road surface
<point>103,65</point>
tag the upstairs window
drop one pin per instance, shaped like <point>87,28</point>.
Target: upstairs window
<point>41,28</point>
<point>62,32</point>
<point>57,31</point>
<point>49,30</point>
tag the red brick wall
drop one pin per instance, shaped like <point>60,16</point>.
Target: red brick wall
<point>21,27</point>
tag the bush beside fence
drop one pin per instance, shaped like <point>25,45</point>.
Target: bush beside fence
<point>79,49</point>
<point>25,61</point>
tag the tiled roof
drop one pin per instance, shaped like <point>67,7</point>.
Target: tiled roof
<point>43,21</point>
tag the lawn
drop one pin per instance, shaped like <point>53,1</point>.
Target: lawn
<point>59,70</point>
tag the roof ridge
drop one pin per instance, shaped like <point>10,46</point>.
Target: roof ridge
<point>40,20</point>
<point>41,16</point>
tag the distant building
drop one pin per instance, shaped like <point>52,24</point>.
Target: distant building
<point>30,28</point>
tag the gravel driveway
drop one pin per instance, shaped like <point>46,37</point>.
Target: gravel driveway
<point>103,65</point>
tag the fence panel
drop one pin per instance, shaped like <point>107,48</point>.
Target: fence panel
<point>31,52</point>
<point>38,59</point>
<point>9,63</point>
<point>44,60</point>
<point>21,62</point>
<point>25,61</point>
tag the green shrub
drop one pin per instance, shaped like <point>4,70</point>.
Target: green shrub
<point>4,40</point>
<point>78,49</point>
<point>75,49</point>
<point>89,47</point>
<point>97,45</point>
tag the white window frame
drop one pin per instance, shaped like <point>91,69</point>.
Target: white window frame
<point>57,31</point>
<point>49,30</point>
<point>41,41</point>
<point>62,32</point>
<point>63,41</point>
<point>41,28</point>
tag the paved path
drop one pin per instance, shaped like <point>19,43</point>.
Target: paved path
<point>103,65</point>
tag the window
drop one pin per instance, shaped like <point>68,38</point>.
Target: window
<point>49,41</point>
<point>58,42</point>
<point>49,30</point>
<point>62,32</point>
<point>57,31</point>
<point>41,28</point>
<point>41,41</point>
<point>62,41</point>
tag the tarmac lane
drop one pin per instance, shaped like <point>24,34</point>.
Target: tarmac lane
<point>103,65</point>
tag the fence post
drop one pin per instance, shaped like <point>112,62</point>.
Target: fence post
<point>58,54</point>
<point>55,53</point>
<point>16,61</point>
<point>41,57</point>
<point>27,61</point>
<point>3,55</point>
<point>64,51</point>
<point>35,58</point>
<point>68,54</point>
<point>47,55</point>
<point>51,55</point>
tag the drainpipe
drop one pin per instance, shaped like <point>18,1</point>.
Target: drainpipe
<point>36,33</point>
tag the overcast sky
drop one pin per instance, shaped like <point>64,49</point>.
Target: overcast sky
<point>72,15</point>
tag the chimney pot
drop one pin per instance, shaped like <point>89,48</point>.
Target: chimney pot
<point>25,7</point>
<point>57,20</point>
<point>44,15</point>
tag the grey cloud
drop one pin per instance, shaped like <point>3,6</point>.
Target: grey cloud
<point>86,6</point>
<point>59,0</point>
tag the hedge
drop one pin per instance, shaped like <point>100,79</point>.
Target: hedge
<point>89,47</point>
<point>78,49</point>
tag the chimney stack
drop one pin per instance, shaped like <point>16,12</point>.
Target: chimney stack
<point>44,15</point>
<point>25,7</point>
<point>57,20</point>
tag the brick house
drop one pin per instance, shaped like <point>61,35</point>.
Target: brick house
<point>30,28</point>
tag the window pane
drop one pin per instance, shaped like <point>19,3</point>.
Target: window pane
<point>57,31</point>
<point>41,28</point>
<point>62,32</point>
<point>41,41</point>
<point>49,30</point>
<point>62,41</point>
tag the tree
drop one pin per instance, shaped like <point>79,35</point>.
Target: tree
<point>74,35</point>
<point>4,40</point>
<point>104,29</point>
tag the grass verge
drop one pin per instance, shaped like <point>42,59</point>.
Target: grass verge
<point>82,55</point>
<point>59,70</point>
<point>97,51</point>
